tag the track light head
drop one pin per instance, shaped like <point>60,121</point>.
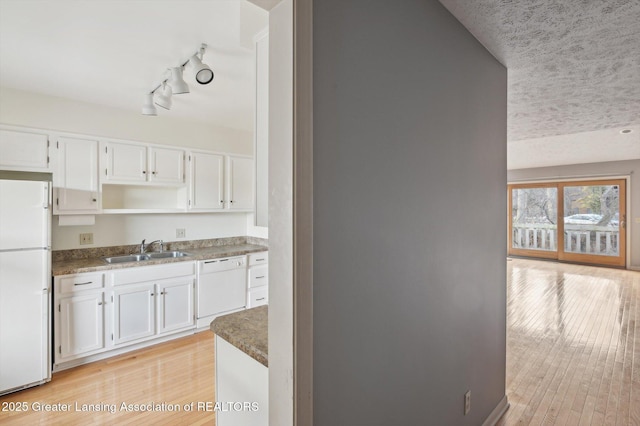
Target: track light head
<point>147,105</point>
<point>203,72</point>
<point>163,99</point>
<point>177,83</point>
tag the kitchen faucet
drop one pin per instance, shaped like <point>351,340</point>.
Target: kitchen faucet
<point>144,247</point>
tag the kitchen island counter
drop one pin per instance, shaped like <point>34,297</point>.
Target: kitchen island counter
<point>247,331</point>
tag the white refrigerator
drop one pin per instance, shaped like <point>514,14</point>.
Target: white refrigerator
<point>25,280</point>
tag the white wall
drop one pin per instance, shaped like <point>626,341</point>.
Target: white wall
<point>112,230</point>
<point>28,109</point>
<point>281,214</point>
<point>629,168</point>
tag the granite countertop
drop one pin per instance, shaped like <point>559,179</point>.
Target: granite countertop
<point>90,260</point>
<point>247,331</point>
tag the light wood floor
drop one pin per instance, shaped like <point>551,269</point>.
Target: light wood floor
<point>573,345</point>
<point>176,372</point>
<point>573,357</point>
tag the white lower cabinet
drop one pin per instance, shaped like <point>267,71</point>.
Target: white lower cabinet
<point>98,315</point>
<point>258,280</point>
<point>144,310</point>
<point>81,324</point>
<point>79,316</point>
<point>175,305</point>
<point>151,301</point>
<point>134,312</point>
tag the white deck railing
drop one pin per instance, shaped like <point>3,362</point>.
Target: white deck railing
<point>590,239</point>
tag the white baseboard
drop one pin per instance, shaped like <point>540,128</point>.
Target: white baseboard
<point>497,412</point>
<point>634,268</point>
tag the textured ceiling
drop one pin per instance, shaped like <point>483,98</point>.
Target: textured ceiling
<point>573,66</point>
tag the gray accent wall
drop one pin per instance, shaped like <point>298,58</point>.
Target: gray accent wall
<point>630,168</point>
<point>410,123</point>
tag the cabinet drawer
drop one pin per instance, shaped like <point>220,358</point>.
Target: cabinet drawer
<point>258,276</point>
<point>152,272</point>
<point>261,258</point>
<point>72,283</point>
<point>258,297</point>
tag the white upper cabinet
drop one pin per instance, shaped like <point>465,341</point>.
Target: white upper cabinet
<point>219,182</point>
<point>137,163</point>
<point>206,191</point>
<point>76,176</point>
<point>166,165</point>
<point>24,150</point>
<point>125,162</point>
<point>239,183</point>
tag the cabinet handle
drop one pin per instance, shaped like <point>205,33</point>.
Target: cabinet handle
<point>260,277</point>
<point>260,260</point>
<point>211,261</point>
<point>88,282</point>
<point>163,292</point>
<point>153,173</point>
<point>262,298</point>
<point>94,200</point>
<point>231,201</point>
<point>99,303</point>
<point>153,294</point>
<point>144,172</point>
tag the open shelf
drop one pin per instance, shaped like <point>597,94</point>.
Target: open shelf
<point>143,199</point>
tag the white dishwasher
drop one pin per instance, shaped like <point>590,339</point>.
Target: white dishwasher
<point>222,287</point>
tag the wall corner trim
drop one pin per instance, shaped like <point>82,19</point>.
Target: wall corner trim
<point>497,412</point>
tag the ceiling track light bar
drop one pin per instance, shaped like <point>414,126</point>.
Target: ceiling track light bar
<point>175,84</point>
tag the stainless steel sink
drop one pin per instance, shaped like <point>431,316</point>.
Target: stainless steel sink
<point>127,258</point>
<point>166,254</point>
<point>145,256</point>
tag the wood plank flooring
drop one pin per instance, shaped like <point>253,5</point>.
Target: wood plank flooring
<point>176,372</point>
<point>573,345</point>
<point>573,358</point>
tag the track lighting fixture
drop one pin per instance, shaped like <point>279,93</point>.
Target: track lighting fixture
<point>177,83</point>
<point>174,84</point>
<point>163,99</point>
<point>147,106</point>
<point>203,72</point>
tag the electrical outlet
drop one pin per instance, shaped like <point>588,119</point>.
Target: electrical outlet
<point>467,402</point>
<point>86,238</point>
<point>181,233</point>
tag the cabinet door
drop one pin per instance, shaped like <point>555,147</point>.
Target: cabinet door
<point>24,151</point>
<point>166,165</point>
<point>175,305</point>
<point>126,162</point>
<point>81,324</point>
<point>134,312</point>
<point>206,192</point>
<point>240,183</point>
<point>77,177</point>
